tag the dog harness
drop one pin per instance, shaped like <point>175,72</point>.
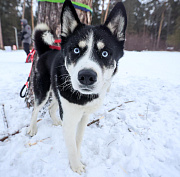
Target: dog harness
<point>31,58</point>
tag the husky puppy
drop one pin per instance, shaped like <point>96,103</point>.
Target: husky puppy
<point>79,75</point>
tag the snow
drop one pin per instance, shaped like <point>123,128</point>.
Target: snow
<point>140,138</point>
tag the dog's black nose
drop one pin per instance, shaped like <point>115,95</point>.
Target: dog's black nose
<point>87,77</point>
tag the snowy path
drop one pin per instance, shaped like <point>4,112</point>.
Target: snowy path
<point>140,138</point>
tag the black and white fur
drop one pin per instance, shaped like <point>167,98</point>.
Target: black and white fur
<point>79,75</point>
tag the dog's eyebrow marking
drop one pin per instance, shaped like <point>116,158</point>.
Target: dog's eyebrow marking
<point>82,44</point>
<point>100,45</point>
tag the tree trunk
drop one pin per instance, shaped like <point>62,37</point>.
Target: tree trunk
<point>160,29</point>
<point>160,26</point>
<point>107,11</point>
<point>1,37</point>
<point>24,4</point>
<point>49,13</point>
<point>32,15</point>
<point>102,15</point>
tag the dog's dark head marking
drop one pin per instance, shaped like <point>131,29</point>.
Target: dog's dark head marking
<point>96,48</point>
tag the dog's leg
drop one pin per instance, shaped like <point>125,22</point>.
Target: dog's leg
<point>80,132</point>
<point>32,130</point>
<point>53,109</point>
<point>72,115</point>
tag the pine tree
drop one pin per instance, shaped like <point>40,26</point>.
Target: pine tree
<point>9,18</point>
<point>173,40</point>
<point>173,29</point>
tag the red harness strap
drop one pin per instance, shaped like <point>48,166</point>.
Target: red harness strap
<point>56,47</point>
<point>57,41</point>
<point>31,55</point>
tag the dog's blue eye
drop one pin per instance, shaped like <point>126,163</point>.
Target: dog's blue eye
<point>76,50</point>
<point>104,54</point>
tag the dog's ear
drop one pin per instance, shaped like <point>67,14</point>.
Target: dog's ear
<point>69,19</point>
<point>117,21</point>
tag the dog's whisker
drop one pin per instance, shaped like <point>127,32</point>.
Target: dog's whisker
<point>65,86</point>
<point>67,81</point>
<point>64,75</point>
<point>79,95</point>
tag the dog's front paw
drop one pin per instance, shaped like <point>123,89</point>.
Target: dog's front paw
<point>32,130</point>
<point>78,168</point>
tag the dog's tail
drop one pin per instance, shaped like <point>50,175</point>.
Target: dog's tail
<point>43,38</point>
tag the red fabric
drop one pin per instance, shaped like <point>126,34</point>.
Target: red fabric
<point>27,83</point>
<point>32,53</point>
<point>30,56</point>
<point>57,41</point>
<point>55,47</point>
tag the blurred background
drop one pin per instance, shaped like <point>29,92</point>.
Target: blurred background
<point>152,24</point>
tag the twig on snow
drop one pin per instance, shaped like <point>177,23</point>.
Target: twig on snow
<point>120,105</point>
<point>94,121</point>
<point>147,110</point>
<point>32,144</point>
<point>4,117</point>
<point>16,132</point>
<point>6,137</point>
<point>114,108</point>
<point>111,142</point>
<point>128,101</point>
<point>123,169</point>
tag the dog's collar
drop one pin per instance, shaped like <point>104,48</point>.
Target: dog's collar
<point>55,47</point>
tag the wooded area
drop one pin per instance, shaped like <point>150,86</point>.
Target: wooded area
<point>151,26</point>
<point>154,25</point>
<point>10,14</point>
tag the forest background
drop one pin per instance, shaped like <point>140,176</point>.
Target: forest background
<point>152,24</point>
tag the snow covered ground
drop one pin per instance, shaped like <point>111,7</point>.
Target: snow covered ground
<point>140,138</point>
